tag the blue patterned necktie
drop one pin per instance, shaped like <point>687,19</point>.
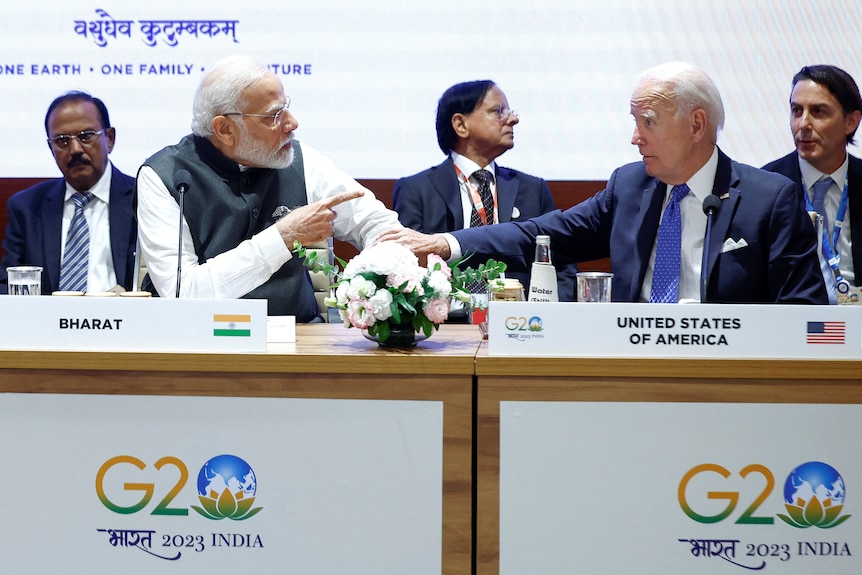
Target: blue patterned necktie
<point>76,257</point>
<point>668,253</point>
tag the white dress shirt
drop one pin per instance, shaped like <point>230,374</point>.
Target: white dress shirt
<point>100,273</point>
<point>236,272</point>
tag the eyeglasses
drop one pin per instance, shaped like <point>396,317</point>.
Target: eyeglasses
<point>502,113</point>
<point>277,119</point>
<point>86,138</point>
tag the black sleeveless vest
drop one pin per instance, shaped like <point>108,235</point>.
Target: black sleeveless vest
<point>225,206</point>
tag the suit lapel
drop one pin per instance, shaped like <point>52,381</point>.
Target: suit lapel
<point>507,191</point>
<point>854,192</point>
<point>445,182</point>
<point>725,187</point>
<point>122,225</point>
<point>52,225</point>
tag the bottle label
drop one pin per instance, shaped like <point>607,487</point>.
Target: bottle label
<point>543,283</point>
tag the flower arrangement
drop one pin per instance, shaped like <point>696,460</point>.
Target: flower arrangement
<point>384,288</point>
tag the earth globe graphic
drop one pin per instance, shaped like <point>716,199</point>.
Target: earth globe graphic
<point>226,472</point>
<point>814,479</point>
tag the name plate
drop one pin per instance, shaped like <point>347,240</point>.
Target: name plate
<point>674,330</point>
<point>133,324</point>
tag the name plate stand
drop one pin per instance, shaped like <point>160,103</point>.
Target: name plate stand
<point>674,330</point>
<point>47,323</point>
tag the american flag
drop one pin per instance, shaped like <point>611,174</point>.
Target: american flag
<point>825,332</point>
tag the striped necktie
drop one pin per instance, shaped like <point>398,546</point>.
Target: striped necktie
<point>668,253</point>
<point>484,178</point>
<point>76,257</point>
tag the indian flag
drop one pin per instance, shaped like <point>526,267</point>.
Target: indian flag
<point>231,325</point>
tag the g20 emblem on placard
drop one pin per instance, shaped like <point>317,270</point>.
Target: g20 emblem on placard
<point>813,496</point>
<point>226,489</point>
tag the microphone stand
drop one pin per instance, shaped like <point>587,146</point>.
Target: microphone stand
<point>710,205</point>
<point>181,183</point>
<point>182,191</point>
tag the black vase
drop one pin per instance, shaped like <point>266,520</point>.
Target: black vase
<point>400,335</point>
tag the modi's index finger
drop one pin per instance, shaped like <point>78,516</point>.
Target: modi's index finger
<point>340,198</point>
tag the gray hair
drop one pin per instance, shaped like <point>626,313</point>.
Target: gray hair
<point>691,88</point>
<point>221,88</point>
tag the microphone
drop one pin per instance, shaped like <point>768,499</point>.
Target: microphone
<point>181,184</point>
<point>711,204</point>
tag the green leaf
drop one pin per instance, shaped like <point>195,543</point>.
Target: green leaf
<point>383,330</point>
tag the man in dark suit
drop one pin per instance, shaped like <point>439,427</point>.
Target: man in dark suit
<point>825,109</point>
<point>762,245</point>
<point>80,137</point>
<point>475,126</point>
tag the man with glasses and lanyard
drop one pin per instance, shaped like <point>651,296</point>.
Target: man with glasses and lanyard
<point>475,126</point>
<point>79,228</point>
<point>825,109</point>
<point>252,191</point>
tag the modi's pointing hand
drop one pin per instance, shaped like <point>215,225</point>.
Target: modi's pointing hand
<point>313,223</point>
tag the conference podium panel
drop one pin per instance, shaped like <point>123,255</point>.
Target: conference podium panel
<point>639,465</point>
<point>328,455</point>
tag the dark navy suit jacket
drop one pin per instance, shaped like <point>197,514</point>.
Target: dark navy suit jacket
<point>35,225</point>
<point>779,264</point>
<point>430,202</point>
<point>789,166</point>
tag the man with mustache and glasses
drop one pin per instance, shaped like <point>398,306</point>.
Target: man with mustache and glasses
<point>90,201</point>
<point>253,191</point>
<point>475,126</point>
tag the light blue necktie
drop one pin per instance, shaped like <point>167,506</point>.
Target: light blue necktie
<point>821,186</point>
<point>668,256</point>
<point>76,257</point>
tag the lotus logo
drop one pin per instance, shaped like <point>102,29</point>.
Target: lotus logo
<point>814,496</point>
<point>226,489</point>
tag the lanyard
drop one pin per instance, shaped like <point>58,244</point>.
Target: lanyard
<point>830,249</point>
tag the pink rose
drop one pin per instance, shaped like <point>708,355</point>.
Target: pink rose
<point>437,310</point>
<point>360,313</point>
<point>443,267</point>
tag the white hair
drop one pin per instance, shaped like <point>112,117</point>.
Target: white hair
<point>690,87</point>
<point>221,88</point>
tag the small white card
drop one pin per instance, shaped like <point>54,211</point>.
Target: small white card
<point>280,329</point>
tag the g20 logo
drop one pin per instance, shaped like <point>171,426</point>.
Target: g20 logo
<point>521,323</point>
<point>813,495</point>
<point>226,487</point>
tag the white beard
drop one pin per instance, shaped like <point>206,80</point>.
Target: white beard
<point>252,153</point>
